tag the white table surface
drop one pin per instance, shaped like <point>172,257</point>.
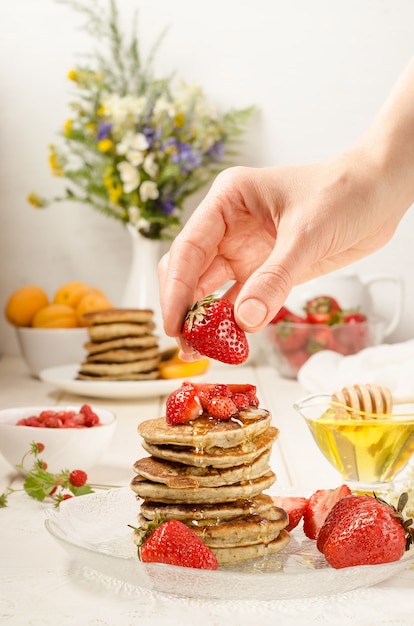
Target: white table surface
<point>40,585</point>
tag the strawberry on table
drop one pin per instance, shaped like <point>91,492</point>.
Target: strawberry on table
<point>294,506</point>
<point>174,543</point>
<point>318,507</point>
<point>210,329</point>
<point>365,530</point>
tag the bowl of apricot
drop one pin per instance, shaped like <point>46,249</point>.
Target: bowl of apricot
<point>52,331</point>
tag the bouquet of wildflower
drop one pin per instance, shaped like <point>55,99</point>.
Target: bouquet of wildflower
<point>136,147</point>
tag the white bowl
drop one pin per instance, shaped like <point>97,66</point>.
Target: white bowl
<point>65,448</point>
<point>42,348</point>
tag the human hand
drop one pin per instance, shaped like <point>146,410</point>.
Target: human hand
<point>270,229</point>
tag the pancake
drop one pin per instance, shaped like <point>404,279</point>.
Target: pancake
<point>117,369</point>
<point>142,341</point>
<point>108,316</point>
<point>204,432</point>
<point>244,530</point>
<point>226,556</point>
<point>153,375</point>
<point>104,332</point>
<point>260,505</point>
<point>217,457</point>
<point>244,489</point>
<point>123,355</point>
<point>178,475</point>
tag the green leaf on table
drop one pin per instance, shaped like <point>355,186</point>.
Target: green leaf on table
<point>35,483</point>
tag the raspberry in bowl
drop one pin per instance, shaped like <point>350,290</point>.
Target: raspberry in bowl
<point>73,436</point>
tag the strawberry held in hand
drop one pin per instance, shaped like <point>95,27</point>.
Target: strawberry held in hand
<point>210,329</point>
<point>174,543</point>
<point>365,530</point>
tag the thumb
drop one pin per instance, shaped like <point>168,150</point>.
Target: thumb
<point>266,290</point>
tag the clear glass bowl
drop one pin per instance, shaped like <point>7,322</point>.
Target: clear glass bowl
<point>368,450</point>
<point>292,344</point>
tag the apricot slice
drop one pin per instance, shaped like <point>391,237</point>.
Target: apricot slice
<point>176,368</point>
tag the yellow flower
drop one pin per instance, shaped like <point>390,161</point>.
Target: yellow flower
<point>73,75</point>
<point>54,162</point>
<point>179,120</point>
<point>114,188</point>
<point>115,193</point>
<point>67,127</point>
<point>36,201</point>
<point>104,145</point>
<point>101,111</point>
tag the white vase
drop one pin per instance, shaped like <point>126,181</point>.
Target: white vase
<point>142,291</point>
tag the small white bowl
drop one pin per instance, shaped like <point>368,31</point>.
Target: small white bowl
<point>42,348</point>
<point>65,448</point>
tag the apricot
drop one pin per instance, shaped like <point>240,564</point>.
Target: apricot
<point>24,303</point>
<point>93,300</point>
<point>176,368</point>
<point>71,293</point>
<point>55,316</point>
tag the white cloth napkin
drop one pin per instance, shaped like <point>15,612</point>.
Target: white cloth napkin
<point>391,365</point>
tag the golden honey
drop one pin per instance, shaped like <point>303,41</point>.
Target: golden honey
<point>370,450</point>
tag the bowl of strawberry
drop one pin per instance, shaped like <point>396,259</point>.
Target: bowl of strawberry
<point>324,325</point>
<point>72,436</point>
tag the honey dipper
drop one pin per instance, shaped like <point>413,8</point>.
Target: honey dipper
<point>368,398</point>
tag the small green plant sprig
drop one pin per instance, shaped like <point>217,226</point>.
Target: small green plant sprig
<point>41,484</point>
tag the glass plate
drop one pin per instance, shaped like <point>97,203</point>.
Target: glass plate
<point>94,530</point>
<point>64,378</point>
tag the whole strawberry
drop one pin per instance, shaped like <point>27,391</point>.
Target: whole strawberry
<point>364,530</point>
<point>210,328</point>
<point>174,543</point>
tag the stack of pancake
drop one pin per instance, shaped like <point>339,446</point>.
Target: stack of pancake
<point>122,346</point>
<point>211,475</point>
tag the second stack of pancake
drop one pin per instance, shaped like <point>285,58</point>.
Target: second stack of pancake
<point>211,475</point>
<point>122,346</point>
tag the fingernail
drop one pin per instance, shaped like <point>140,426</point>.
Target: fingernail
<point>252,312</point>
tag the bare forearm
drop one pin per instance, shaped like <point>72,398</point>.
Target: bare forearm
<point>390,140</point>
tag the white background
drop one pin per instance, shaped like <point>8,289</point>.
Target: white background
<point>317,71</point>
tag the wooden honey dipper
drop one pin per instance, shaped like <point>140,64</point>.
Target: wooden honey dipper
<point>368,398</point>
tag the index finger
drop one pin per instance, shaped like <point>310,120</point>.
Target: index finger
<point>191,253</point>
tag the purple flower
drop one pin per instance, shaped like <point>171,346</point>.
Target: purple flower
<point>103,130</point>
<point>186,157</point>
<point>216,152</point>
<point>151,134</point>
<point>167,206</point>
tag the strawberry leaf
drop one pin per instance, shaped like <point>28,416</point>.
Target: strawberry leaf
<point>80,491</point>
<point>34,484</point>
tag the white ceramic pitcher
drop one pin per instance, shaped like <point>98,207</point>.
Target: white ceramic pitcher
<point>354,292</point>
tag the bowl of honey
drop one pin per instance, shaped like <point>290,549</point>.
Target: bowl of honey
<point>369,450</point>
